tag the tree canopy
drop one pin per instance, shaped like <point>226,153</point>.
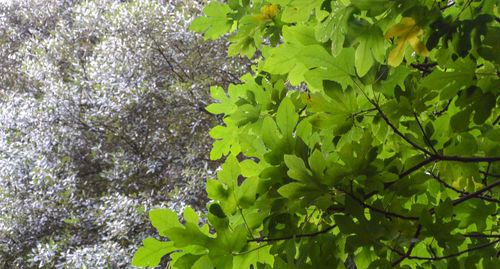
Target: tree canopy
<point>367,132</point>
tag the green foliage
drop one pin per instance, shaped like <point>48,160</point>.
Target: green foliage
<point>382,155</point>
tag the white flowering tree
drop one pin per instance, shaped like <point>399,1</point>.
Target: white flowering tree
<point>101,118</point>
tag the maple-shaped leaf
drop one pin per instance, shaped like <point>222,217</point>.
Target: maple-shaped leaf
<point>407,31</point>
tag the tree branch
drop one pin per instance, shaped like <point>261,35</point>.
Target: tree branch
<point>410,248</point>
<point>467,159</point>
<point>439,113</point>
<point>385,213</point>
<point>490,175</point>
<point>496,121</point>
<point>454,254</point>
<point>438,179</point>
<point>424,67</point>
<point>433,156</point>
<point>475,194</point>
<point>426,139</point>
<point>292,236</point>
<point>482,235</point>
<point>447,6</point>
<point>395,130</point>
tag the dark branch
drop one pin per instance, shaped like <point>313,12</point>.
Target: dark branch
<point>426,138</point>
<point>395,130</point>
<point>488,174</point>
<point>407,172</point>
<point>467,159</point>
<point>425,68</point>
<point>474,194</point>
<point>410,248</point>
<point>439,113</point>
<point>292,236</point>
<point>167,60</point>
<point>497,120</point>
<point>433,156</point>
<point>404,256</point>
<point>362,112</point>
<point>447,6</point>
<point>454,254</point>
<point>385,213</point>
<point>482,235</point>
<point>438,179</point>
<point>485,178</point>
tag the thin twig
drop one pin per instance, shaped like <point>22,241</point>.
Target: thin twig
<point>488,174</point>
<point>292,236</point>
<point>426,138</point>
<point>482,235</point>
<point>497,120</point>
<point>410,248</point>
<point>395,130</point>
<point>252,250</point>
<point>438,179</point>
<point>474,194</point>
<point>447,6</point>
<point>454,254</point>
<point>385,213</point>
<point>439,113</point>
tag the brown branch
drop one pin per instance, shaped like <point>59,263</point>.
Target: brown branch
<point>405,256</point>
<point>438,179</point>
<point>167,60</point>
<point>482,235</point>
<point>485,178</point>
<point>292,236</point>
<point>447,6</point>
<point>488,174</point>
<point>385,213</point>
<point>439,113</point>
<point>362,112</point>
<point>395,130</point>
<point>474,194</point>
<point>454,254</point>
<point>434,156</point>
<point>426,138</point>
<point>425,68</point>
<point>467,159</point>
<point>497,120</point>
<point>410,248</point>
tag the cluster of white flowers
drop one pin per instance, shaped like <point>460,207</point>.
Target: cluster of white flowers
<point>101,119</point>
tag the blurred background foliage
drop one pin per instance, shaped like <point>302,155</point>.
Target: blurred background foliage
<point>101,119</point>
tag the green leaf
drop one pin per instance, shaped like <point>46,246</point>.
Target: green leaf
<point>371,45</point>
<point>152,252</point>
<point>282,59</point>
<point>227,140</point>
<point>287,118</point>
<point>450,82</point>
<point>164,219</point>
<point>216,24</point>
<point>460,121</point>
<point>299,11</point>
<point>292,190</point>
<point>334,27</point>
<point>297,169</point>
<point>226,106</point>
<point>230,172</point>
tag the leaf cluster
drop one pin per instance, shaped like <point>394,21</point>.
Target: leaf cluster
<point>369,129</point>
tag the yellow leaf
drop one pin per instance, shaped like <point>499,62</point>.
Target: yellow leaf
<point>407,31</point>
<point>268,12</point>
